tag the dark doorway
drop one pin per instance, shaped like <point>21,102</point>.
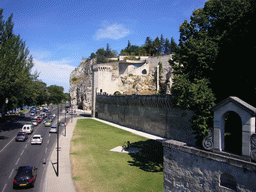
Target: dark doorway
<point>233,133</point>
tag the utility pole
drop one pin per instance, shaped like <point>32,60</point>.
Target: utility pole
<point>58,141</point>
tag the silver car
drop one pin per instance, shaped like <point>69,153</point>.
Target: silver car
<point>37,139</point>
<point>53,129</point>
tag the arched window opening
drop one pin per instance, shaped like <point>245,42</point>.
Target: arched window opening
<point>233,133</point>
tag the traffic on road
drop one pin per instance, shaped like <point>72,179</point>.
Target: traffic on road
<point>25,146</point>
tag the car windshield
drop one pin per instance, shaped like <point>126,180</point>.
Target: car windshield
<point>36,137</point>
<point>20,134</point>
<point>25,169</point>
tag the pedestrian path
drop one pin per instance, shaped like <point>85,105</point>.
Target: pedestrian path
<point>64,182</point>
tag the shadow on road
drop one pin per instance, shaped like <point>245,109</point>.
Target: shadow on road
<point>3,138</point>
<point>150,158</point>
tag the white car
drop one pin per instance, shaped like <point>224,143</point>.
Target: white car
<point>37,139</point>
<point>53,129</point>
<point>32,113</point>
<point>34,122</point>
<point>27,129</point>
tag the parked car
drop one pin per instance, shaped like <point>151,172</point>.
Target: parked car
<point>22,115</point>
<point>37,139</point>
<point>34,122</point>
<point>53,129</point>
<point>21,136</point>
<point>27,129</point>
<point>47,123</point>
<point>25,177</point>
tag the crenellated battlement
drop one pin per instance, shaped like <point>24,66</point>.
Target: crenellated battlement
<point>102,67</point>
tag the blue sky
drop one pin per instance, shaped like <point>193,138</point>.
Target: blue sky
<point>59,33</point>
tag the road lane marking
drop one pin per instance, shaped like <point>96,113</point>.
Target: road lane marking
<point>4,187</point>
<point>6,145</point>
<point>17,161</point>
<point>22,152</point>
<point>46,150</point>
<point>26,146</point>
<point>48,141</point>
<point>11,173</point>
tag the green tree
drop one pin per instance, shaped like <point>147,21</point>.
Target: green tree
<point>197,97</point>
<point>162,43</point>
<point>167,46</point>
<point>92,56</point>
<point>56,94</point>
<point>173,46</point>
<point>101,56</point>
<point>148,46</point>
<point>15,65</point>
<point>215,32</point>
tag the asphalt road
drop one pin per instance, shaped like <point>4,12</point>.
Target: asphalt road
<point>14,154</point>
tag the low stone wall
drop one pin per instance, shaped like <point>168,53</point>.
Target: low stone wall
<point>191,169</point>
<point>151,114</point>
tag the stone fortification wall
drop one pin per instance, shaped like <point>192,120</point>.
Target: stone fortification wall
<point>149,113</point>
<point>190,169</point>
<point>139,79</point>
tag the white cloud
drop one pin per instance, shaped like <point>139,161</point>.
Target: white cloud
<point>114,31</point>
<point>54,72</point>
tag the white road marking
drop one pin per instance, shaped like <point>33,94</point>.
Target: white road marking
<point>4,187</point>
<point>17,161</point>
<point>22,152</point>
<point>11,173</point>
<point>26,146</point>
<point>46,150</point>
<point>6,145</point>
<point>48,141</point>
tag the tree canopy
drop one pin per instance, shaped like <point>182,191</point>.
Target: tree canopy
<point>215,51</point>
<point>156,47</point>
<point>18,85</point>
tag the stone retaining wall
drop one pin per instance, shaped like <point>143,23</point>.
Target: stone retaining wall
<point>191,169</point>
<point>152,114</point>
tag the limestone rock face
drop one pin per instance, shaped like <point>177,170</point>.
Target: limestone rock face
<point>80,89</point>
<point>110,77</point>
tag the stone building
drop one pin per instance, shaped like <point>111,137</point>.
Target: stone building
<point>127,76</point>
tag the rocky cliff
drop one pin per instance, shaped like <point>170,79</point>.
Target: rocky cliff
<point>124,81</point>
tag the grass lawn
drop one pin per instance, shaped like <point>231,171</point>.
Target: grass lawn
<point>95,168</point>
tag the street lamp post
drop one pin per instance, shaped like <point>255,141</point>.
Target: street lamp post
<point>58,141</point>
<point>65,123</point>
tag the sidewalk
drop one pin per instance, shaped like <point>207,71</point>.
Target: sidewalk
<point>64,181</point>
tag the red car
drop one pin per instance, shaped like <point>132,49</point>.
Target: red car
<point>39,120</point>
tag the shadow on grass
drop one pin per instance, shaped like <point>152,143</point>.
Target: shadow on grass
<point>150,158</point>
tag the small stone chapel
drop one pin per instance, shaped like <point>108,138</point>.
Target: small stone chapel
<point>234,127</point>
